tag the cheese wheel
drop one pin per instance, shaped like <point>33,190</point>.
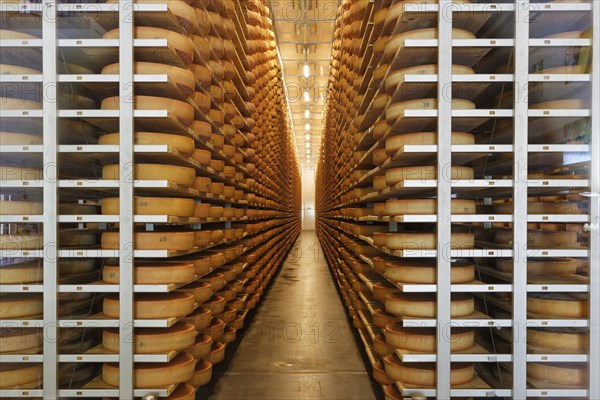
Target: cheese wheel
<point>426,207</point>
<point>201,156</point>
<point>424,340</point>
<point>152,240</point>
<point>202,291</point>
<point>540,239</point>
<point>149,306</point>
<point>181,175</point>
<point>24,340</point>
<point>396,175</point>
<point>181,9</point>
<point>397,41</point>
<point>182,78</point>
<point>201,348</point>
<point>561,207</point>
<point>380,347</point>
<point>9,103</point>
<point>20,207</point>
<point>20,375</point>
<point>218,353</point>
<point>7,69</point>
<point>11,172</point>
<point>152,375</point>
<point>571,374</point>
<point>154,340</point>
<point>18,139</point>
<point>558,305</point>
<point>200,318</point>
<point>553,340</point>
<point>423,305</point>
<point>76,266</point>
<point>424,374</point>
<point>180,43</point>
<point>21,272</point>
<point>202,374</point>
<point>153,274</point>
<point>203,210</point>
<point>397,142</point>
<point>180,143</point>
<point>202,184</point>
<point>183,392</point>
<point>560,105</point>
<point>153,206</point>
<point>181,110</point>
<point>21,242</point>
<point>77,238</point>
<point>396,78</point>
<point>426,273</point>
<point>541,266</point>
<point>396,110</point>
<point>14,306</point>
<point>425,241</point>
<point>379,374</point>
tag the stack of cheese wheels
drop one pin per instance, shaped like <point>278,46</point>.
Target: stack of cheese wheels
<point>558,305</point>
<point>426,207</point>
<point>13,306</point>
<point>560,375</point>
<point>153,274</point>
<point>181,44</point>
<point>20,271</point>
<point>541,266</point>
<point>154,340</point>
<point>20,375</point>
<point>421,241</point>
<point>425,272</point>
<point>176,241</point>
<point>177,109</point>
<point>183,144</point>
<point>178,207</point>
<point>540,239</point>
<point>557,340</point>
<point>200,318</point>
<point>154,375</point>
<point>424,305</point>
<point>396,42</point>
<point>424,374</point>
<point>184,176</point>
<point>153,306</point>
<point>424,340</point>
<point>21,340</point>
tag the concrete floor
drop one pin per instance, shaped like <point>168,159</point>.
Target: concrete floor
<point>299,345</point>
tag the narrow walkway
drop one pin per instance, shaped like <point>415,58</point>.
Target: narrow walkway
<point>300,345</point>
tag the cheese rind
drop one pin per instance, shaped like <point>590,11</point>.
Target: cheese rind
<point>570,374</point>
<point>426,207</point>
<point>183,78</point>
<point>180,109</point>
<point>23,272</point>
<point>152,306</point>
<point>181,241</point>
<point>20,375</point>
<point>420,273</point>
<point>20,306</point>
<point>424,339</point>
<point>424,374</point>
<point>154,340</point>
<point>155,274</point>
<point>180,143</point>
<point>170,206</point>
<point>424,305</point>
<point>396,175</point>
<point>397,142</point>
<point>184,176</point>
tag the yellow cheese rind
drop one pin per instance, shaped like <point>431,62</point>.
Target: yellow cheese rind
<point>397,41</point>
<point>20,375</point>
<point>154,340</point>
<point>424,339</point>
<point>20,306</point>
<point>424,241</point>
<point>559,373</point>
<point>396,110</point>
<point>426,207</point>
<point>397,142</point>
<point>184,176</point>
<point>152,240</point>
<point>424,305</point>
<point>180,109</point>
<point>421,273</point>
<point>152,306</point>
<point>15,340</point>
<point>396,175</point>
<point>558,307</point>
<point>170,206</point>
<point>183,78</point>
<point>17,139</point>
<point>180,143</point>
<point>202,374</point>
<point>424,374</point>
<point>25,272</point>
<point>155,274</point>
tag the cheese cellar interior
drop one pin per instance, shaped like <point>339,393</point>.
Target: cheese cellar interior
<point>299,199</point>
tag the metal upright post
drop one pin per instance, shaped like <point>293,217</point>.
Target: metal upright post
<point>126,191</point>
<point>520,142</point>
<point>594,228</point>
<point>444,195</point>
<point>50,193</point>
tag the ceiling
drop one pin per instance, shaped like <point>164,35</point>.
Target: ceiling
<point>304,33</point>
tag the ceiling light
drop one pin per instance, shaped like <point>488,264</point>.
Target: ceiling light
<point>307,137</point>
<point>307,127</point>
<point>308,145</point>
<point>307,114</point>
<point>307,152</point>
<point>306,96</point>
<point>306,71</point>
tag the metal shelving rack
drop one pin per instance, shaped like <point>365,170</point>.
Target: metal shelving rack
<point>334,197</point>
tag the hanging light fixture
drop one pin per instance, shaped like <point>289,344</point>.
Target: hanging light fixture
<point>306,96</point>
<point>307,114</point>
<point>307,127</point>
<point>306,70</point>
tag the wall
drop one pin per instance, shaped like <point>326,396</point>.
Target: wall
<point>308,198</point>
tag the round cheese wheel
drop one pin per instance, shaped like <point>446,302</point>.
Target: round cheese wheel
<point>7,69</point>
<point>153,206</point>
<point>9,103</point>
<point>6,34</point>
<point>544,266</point>
<point>201,348</point>
<point>424,241</point>
<point>397,41</point>
<point>426,207</point>
<point>202,374</point>
<point>540,239</point>
<point>17,139</point>
<point>395,175</point>
<point>215,329</point>
<point>183,78</point>
<point>20,375</point>
<point>153,274</point>
<point>551,340</point>
<point>424,340</point>
<point>184,176</point>
<point>566,69</point>
<point>76,266</point>
<point>180,143</point>
<point>423,305</point>
<point>216,304</point>
<point>152,240</point>
<point>426,273</point>
<point>147,375</point>
<point>202,184</point>
<point>396,110</point>
<point>571,374</point>
<point>396,78</point>
<point>24,340</point>
<point>183,392</point>
<point>424,374</point>
<point>218,353</point>
<point>149,306</point>
<point>560,207</point>
<point>560,105</point>
<point>21,272</point>
<point>154,340</point>
<point>14,306</point>
<point>203,157</point>
<point>380,347</point>
<point>397,142</point>
<point>379,374</point>
<point>21,242</point>
<point>11,172</point>
<point>202,291</point>
<point>77,237</point>
<point>180,43</point>
<point>558,305</point>
<point>177,108</point>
